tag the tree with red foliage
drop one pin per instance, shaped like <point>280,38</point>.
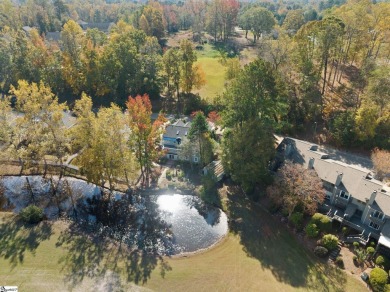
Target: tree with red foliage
<point>295,185</point>
<point>214,117</point>
<point>144,135</point>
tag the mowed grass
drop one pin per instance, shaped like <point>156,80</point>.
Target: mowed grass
<point>258,255</point>
<point>227,267</point>
<point>36,258</point>
<point>215,78</point>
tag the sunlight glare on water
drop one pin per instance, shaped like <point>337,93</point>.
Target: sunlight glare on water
<point>170,203</point>
<point>194,226</point>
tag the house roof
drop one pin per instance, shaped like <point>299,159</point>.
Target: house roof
<point>356,179</point>
<point>67,119</point>
<point>383,201</point>
<point>178,129</point>
<point>27,28</point>
<point>54,36</point>
<point>102,26</point>
<point>215,168</point>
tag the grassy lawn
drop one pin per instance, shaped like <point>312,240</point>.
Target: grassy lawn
<point>215,76</point>
<point>258,255</point>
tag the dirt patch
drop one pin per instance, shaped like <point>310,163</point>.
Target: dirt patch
<point>350,267</point>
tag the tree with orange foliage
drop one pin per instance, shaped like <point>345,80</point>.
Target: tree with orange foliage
<point>381,160</point>
<point>214,117</point>
<point>145,135</point>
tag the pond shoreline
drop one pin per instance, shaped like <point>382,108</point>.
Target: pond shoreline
<point>220,241</point>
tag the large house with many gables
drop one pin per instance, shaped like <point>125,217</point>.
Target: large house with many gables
<point>353,196</point>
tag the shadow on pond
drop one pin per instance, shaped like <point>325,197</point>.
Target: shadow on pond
<point>132,235</point>
<point>18,238</point>
<point>115,238</point>
<point>266,239</point>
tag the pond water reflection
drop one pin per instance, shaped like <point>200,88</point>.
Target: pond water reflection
<point>163,224</point>
<point>194,225</point>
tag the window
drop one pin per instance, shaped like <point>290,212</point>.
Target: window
<point>195,159</point>
<point>377,214</point>
<point>344,195</point>
<point>374,225</point>
<point>171,156</point>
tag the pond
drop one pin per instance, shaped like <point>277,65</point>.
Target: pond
<point>159,223</point>
<point>194,225</point>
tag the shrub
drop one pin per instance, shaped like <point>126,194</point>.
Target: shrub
<point>370,252</point>
<point>356,244</point>
<point>383,262</point>
<point>322,221</point>
<point>330,241</point>
<point>361,255</point>
<point>180,176</point>
<point>378,279</point>
<point>380,261</point>
<point>209,191</point>
<point>321,251</point>
<point>339,262</point>
<point>354,258</point>
<point>297,219</point>
<point>32,214</point>
<point>344,230</point>
<point>312,230</point>
<point>168,175</point>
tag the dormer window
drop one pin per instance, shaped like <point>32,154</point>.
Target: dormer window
<point>344,195</point>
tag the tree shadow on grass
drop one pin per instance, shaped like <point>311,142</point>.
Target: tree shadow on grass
<point>97,258</point>
<point>264,238</point>
<point>17,238</point>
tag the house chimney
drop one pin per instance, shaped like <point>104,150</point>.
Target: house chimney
<point>339,178</point>
<point>311,163</point>
<point>372,198</point>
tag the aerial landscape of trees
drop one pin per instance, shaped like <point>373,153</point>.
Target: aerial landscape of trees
<point>325,65</point>
<point>87,89</point>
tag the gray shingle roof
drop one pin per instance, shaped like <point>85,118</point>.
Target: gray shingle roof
<point>54,36</point>
<point>177,129</point>
<point>356,179</point>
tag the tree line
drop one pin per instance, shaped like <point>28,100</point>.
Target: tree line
<point>336,69</point>
<point>106,67</point>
